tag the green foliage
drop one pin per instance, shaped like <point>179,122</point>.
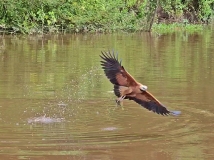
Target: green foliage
<point>193,11</point>
<point>176,27</point>
<point>30,16</point>
<point>206,9</point>
<point>41,16</point>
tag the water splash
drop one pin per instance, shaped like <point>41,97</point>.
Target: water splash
<point>45,120</point>
<point>175,113</point>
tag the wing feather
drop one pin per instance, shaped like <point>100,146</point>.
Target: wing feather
<point>115,71</point>
<point>149,102</point>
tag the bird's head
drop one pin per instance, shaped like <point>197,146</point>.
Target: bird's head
<point>143,88</point>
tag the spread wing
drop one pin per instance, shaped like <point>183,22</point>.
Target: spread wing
<point>148,101</point>
<point>115,71</point>
<point>120,77</point>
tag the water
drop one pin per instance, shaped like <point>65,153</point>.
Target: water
<point>56,103</point>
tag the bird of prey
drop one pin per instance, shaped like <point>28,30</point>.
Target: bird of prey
<point>126,87</point>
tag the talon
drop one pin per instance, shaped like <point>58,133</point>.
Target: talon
<point>119,100</point>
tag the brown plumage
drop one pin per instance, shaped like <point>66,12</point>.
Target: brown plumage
<point>126,87</point>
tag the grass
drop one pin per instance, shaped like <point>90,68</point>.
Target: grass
<point>177,27</point>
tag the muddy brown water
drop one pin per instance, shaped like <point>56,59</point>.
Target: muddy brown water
<point>56,103</point>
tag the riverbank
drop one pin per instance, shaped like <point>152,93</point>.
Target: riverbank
<point>66,16</point>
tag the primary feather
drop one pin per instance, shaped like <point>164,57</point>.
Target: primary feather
<point>111,66</point>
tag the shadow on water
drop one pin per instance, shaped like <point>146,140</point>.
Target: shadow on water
<point>56,103</point>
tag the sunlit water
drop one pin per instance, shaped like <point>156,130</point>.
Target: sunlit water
<point>56,103</point>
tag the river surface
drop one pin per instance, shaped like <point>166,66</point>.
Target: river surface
<point>56,103</point>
